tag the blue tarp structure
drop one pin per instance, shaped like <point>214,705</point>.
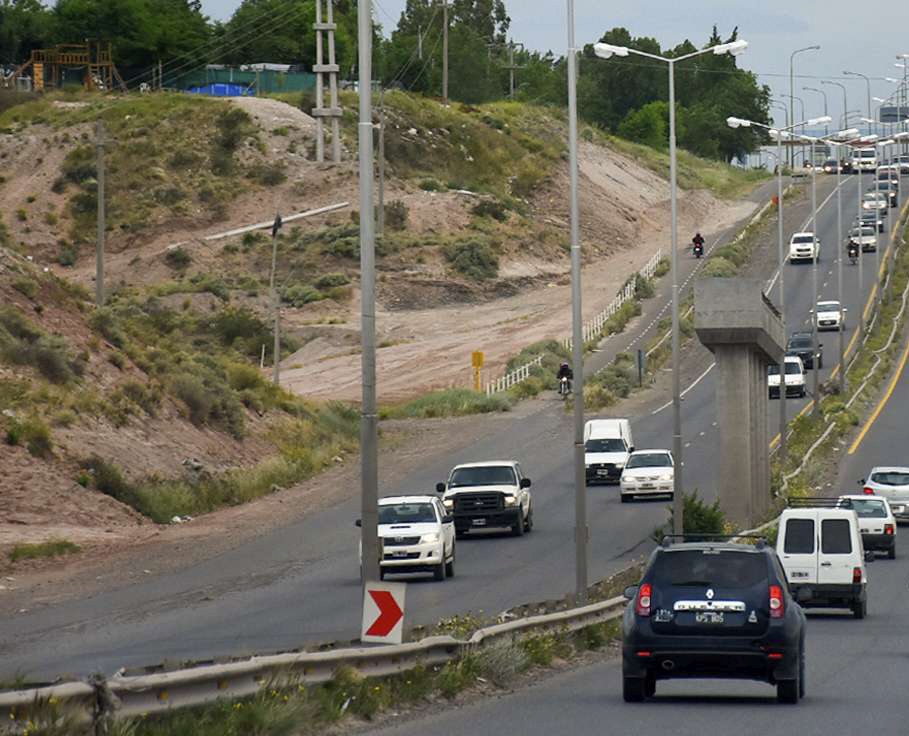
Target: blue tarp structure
<point>223,90</point>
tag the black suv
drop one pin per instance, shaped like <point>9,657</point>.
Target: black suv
<point>800,345</point>
<point>713,609</point>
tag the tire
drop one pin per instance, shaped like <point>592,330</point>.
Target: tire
<point>517,529</point>
<point>438,572</point>
<point>860,609</point>
<point>381,574</point>
<point>634,689</point>
<point>820,363</point>
<point>802,671</point>
<point>891,553</point>
<point>528,525</point>
<point>449,566</point>
<point>787,691</point>
<point>650,686</point>
<point>625,498</point>
<point>460,533</point>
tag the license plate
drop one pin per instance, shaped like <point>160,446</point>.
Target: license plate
<point>478,522</point>
<point>709,617</point>
<point>399,555</point>
<point>603,472</point>
<point>647,486</point>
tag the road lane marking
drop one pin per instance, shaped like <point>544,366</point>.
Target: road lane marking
<point>884,399</point>
<point>805,409</point>
<point>696,382</point>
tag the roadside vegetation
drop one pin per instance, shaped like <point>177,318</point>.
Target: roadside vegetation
<point>453,402</point>
<point>52,548</point>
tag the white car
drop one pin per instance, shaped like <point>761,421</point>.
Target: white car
<point>795,378</point>
<point>876,522</point>
<point>875,201</point>
<point>830,316</point>
<point>416,535</point>
<point>804,247</point>
<point>864,236</point>
<point>892,483</point>
<point>647,473</point>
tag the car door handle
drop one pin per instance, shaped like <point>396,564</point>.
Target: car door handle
<point>826,564</point>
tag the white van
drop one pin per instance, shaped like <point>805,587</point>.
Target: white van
<point>864,159</point>
<point>821,549</point>
<point>607,445</point>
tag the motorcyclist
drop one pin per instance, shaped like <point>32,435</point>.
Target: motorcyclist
<point>853,250</point>
<point>697,243</point>
<point>565,372</point>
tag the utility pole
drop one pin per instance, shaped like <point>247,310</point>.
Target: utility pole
<point>275,304</point>
<point>369,454</point>
<point>420,43</point>
<point>511,71</point>
<point>99,245</point>
<point>380,215</point>
<point>161,76</point>
<point>445,52</point>
<point>320,69</point>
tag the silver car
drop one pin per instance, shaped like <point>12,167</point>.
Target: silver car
<point>892,483</point>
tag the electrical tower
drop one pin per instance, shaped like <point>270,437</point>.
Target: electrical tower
<point>326,31</point>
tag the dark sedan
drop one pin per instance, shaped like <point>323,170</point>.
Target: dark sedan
<point>800,345</point>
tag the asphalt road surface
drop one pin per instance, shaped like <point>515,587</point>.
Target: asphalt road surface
<point>300,584</point>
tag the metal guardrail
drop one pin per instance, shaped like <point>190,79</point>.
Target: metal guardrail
<point>123,696</point>
<point>510,379</point>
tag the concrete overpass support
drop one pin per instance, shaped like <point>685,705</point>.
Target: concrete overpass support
<point>743,329</point>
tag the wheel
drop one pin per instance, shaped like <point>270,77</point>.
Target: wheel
<point>438,572</point>
<point>891,553</point>
<point>860,609</point>
<point>517,529</point>
<point>625,499</point>
<point>802,671</point>
<point>528,524</point>
<point>633,689</point>
<point>449,566</point>
<point>381,574</point>
<point>787,691</point>
<point>650,686</point>
<point>460,533</point>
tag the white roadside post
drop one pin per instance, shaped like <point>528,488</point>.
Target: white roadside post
<point>606,51</point>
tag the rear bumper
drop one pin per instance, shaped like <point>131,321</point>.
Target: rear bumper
<point>602,475</point>
<point>729,663</point>
<point>660,488</point>
<point>879,542</point>
<point>795,392</point>
<point>829,596</point>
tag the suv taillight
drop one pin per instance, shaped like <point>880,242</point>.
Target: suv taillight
<point>888,529</point>
<point>642,604</point>
<point>868,491</point>
<point>856,575</point>
<point>777,606</point>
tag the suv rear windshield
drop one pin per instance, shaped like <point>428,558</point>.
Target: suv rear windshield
<point>792,369</point>
<point>800,342</point>
<point>407,513</point>
<point>605,445</point>
<point>487,475</point>
<point>711,568</point>
<point>891,478</point>
<point>871,508</point>
<point>836,537</point>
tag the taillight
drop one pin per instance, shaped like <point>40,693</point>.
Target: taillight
<point>777,606</point>
<point>856,575</point>
<point>642,605</point>
<point>888,529</point>
<point>868,491</point>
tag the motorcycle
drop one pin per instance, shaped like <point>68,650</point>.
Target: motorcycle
<point>564,386</point>
<point>853,254</point>
<point>698,250</point>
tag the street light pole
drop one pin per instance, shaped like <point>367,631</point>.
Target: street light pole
<point>871,127</point>
<point>826,113</point>
<point>792,91</point>
<point>577,337</point>
<point>817,399</point>
<point>369,455</point>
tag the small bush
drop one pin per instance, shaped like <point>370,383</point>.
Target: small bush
<point>643,287</point>
<point>53,548</point>
<point>719,267</point>
<point>698,518</point>
<point>184,159</point>
<point>67,256</point>
<point>269,175</point>
<point>192,392</point>
<point>33,433</point>
<point>21,215</point>
<point>79,166</point>
<point>178,258</point>
<point>491,208</point>
<point>330,280</point>
<point>451,403</point>
<point>396,213</point>
<point>301,294</point>
<point>431,185</point>
<point>26,287</point>
<point>59,185</point>
<point>473,258</point>
<point>242,377</point>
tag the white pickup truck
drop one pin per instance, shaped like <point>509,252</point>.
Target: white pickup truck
<point>488,495</point>
<point>804,247</point>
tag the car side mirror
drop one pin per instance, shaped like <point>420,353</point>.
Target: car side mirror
<point>447,519</point>
<point>440,488</point>
<point>820,344</point>
<point>860,482</point>
<point>525,482</point>
<point>358,522</point>
<point>631,448</point>
<point>630,592</point>
<point>811,311</point>
<point>845,309</point>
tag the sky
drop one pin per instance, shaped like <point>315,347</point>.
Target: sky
<point>850,38</point>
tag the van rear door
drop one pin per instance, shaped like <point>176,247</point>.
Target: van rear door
<point>798,551</point>
<point>838,554</point>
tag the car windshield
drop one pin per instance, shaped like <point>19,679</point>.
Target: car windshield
<point>871,508</point>
<point>709,568</point>
<point>830,162</point>
<point>862,231</point>
<point>867,154</point>
<point>891,478</point>
<point>649,460</point>
<point>407,513</point>
<point>800,342</point>
<point>792,368</point>
<point>828,306</point>
<point>484,475</point>
<point>611,444</point>
<point>872,196</point>
<point>802,238</point>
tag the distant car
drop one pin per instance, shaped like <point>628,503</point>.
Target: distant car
<point>902,162</point>
<point>488,495</point>
<point>713,609</point>
<point>830,316</point>
<point>801,345</point>
<point>864,159</point>
<point>647,473</point>
<point>891,189</point>
<point>795,378</point>
<point>417,535</point>
<point>804,247</point>
<point>864,236</point>
<point>872,219</point>
<point>892,483</point>
<point>887,173</point>
<point>830,166</point>
<point>874,201</point>
<point>876,522</point>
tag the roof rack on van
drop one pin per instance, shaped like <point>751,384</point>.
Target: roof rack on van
<point>759,540</point>
<point>819,502</point>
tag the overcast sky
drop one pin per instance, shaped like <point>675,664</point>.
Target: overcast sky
<point>865,41</point>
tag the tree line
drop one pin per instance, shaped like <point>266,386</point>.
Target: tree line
<point>626,95</point>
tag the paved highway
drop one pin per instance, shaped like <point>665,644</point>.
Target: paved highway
<point>299,584</point>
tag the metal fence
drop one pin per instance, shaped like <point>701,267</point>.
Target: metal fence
<point>510,379</point>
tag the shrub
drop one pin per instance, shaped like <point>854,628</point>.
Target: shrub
<point>241,377</point>
<point>184,159</point>
<point>450,403</point>
<point>35,435</point>
<point>332,279</point>
<point>148,398</point>
<point>26,287</point>
<point>178,258</point>
<point>643,287</point>
<point>473,258</point>
<point>79,166</point>
<point>269,175</point>
<point>67,255</point>
<point>192,392</point>
<point>52,548</point>
<point>698,518</point>
<point>396,213</point>
<point>718,267</point>
<point>431,185</point>
<point>301,294</point>
<point>21,215</point>
<point>490,208</point>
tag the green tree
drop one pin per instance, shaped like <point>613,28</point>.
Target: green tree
<point>647,125</point>
<point>24,25</point>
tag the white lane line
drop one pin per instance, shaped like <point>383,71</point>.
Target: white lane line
<point>696,382</point>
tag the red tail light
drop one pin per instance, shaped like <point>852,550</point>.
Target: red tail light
<point>856,575</point>
<point>888,529</point>
<point>777,605</point>
<point>868,491</point>
<point>642,605</point>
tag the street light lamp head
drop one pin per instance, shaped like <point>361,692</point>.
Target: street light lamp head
<point>882,144</point>
<point>901,136</point>
<point>733,48</point>
<point>848,133</point>
<point>820,121</point>
<point>869,138</point>
<point>867,120</point>
<point>738,123</point>
<point>607,50</point>
<point>892,80</point>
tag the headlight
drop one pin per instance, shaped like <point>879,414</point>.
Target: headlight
<point>620,466</point>
<point>666,476</point>
<point>448,503</point>
<point>429,538</point>
<point>511,500</point>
